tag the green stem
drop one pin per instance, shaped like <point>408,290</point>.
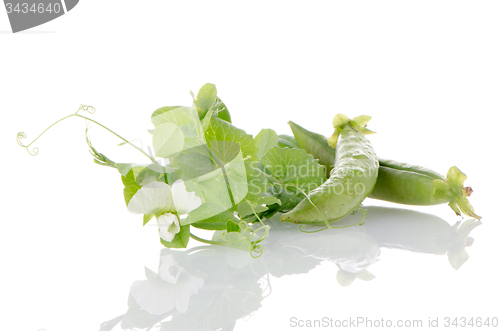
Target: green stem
<point>253,210</point>
<point>228,185</point>
<point>47,129</point>
<point>206,241</point>
<point>125,140</point>
<point>22,135</point>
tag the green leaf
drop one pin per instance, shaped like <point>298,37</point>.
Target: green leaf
<point>246,208</point>
<point>223,152</point>
<point>162,110</point>
<point>144,171</point>
<point>139,175</point>
<point>287,141</point>
<point>164,115</point>
<point>220,130</point>
<point>265,140</point>
<point>204,212</point>
<point>233,239</point>
<point>205,99</point>
<point>256,180</point>
<point>222,111</point>
<point>288,201</point>
<point>216,222</point>
<point>222,187</point>
<point>99,158</point>
<point>188,122</point>
<point>131,186</point>
<point>292,168</point>
<point>268,200</point>
<point>168,140</point>
<point>146,219</point>
<point>180,240</point>
<point>232,227</point>
<point>205,123</point>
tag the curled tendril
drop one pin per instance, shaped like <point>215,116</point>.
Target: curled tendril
<point>248,235</point>
<point>88,109</point>
<point>257,251</point>
<point>364,211</point>
<point>22,135</point>
<point>265,284</point>
<point>34,151</point>
<point>302,226</point>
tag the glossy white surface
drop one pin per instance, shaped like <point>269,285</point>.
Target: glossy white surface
<point>73,257</point>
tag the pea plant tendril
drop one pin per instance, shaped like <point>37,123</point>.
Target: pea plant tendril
<point>90,110</point>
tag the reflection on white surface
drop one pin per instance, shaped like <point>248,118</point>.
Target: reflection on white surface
<point>212,287</point>
<point>171,288</point>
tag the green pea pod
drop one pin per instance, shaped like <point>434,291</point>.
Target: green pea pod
<point>415,185</point>
<point>403,183</point>
<point>352,179</point>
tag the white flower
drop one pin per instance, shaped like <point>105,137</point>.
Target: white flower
<point>166,203</point>
<point>171,288</point>
<point>169,225</point>
<point>168,270</point>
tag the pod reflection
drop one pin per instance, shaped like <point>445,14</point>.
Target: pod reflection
<point>211,287</point>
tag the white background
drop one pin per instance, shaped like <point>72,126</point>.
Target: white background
<point>426,71</point>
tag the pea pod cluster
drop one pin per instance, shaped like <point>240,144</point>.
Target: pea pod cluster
<point>395,181</point>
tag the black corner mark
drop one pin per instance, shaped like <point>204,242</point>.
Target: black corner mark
<point>26,14</point>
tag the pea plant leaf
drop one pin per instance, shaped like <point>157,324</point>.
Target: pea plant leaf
<point>207,95</point>
<point>131,186</point>
<point>221,110</point>
<point>205,212</point>
<point>256,180</point>
<point>246,208</point>
<point>99,158</point>
<point>265,140</point>
<point>291,173</point>
<point>287,141</point>
<point>159,112</point>
<point>139,175</point>
<point>145,172</point>
<point>188,122</point>
<point>205,122</point>
<point>216,222</point>
<point>226,141</point>
<point>219,189</point>
<point>232,226</point>
<point>220,130</point>
<point>168,140</point>
<point>162,115</point>
<point>146,218</point>
<point>293,168</point>
<point>180,240</point>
